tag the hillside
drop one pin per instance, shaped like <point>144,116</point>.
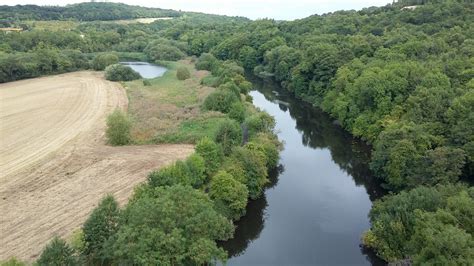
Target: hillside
<point>83,12</point>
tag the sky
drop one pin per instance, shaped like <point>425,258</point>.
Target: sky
<point>253,9</point>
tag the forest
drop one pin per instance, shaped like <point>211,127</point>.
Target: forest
<point>400,79</point>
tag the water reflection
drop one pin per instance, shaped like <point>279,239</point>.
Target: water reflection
<point>319,130</point>
<point>314,210</point>
<point>145,69</point>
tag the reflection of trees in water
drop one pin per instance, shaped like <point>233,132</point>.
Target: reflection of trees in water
<point>249,227</point>
<point>320,131</point>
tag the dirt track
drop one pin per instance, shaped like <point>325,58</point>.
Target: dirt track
<point>54,165</point>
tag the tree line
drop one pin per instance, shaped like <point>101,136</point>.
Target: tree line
<point>401,80</point>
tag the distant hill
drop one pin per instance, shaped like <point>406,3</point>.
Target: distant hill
<point>83,12</point>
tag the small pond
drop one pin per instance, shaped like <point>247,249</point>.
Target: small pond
<point>146,70</point>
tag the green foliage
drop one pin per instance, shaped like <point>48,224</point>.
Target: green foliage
<point>182,73</point>
<point>84,12</point>
<point>101,225</point>
<point>57,253</point>
<point>229,195</point>
<point>211,152</point>
<point>424,224</point>
<point>12,262</point>
<point>237,112</point>
<point>118,128</point>
<point>259,122</point>
<point>166,50</point>
<point>220,100</point>
<point>146,82</point>
<point>191,172</point>
<point>102,61</point>
<point>228,135</point>
<point>207,62</point>
<point>120,72</point>
<point>252,164</point>
<point>173,225</point>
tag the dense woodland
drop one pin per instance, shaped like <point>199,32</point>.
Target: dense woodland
<point>400,79</point>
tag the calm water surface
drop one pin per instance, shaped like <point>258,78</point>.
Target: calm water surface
<point>315,208</point>
<point>146,70</point>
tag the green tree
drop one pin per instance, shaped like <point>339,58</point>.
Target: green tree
<point>57,253</point>
<point>101,225</point>
<point>101,61</point>
<point>229,195</point>
<point>228,135</point>
<point>181,229</point>
<point>118,128</point>
<point>212,154</point>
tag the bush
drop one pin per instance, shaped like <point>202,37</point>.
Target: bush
<point>57,253</point>
<point>269,145</point>
<point>252,162</point>
<point>220,100</point>
<point>120,72</point>
<point>118,128</point>
<point>229,134</point>
<point>12,262</point>
<point>207,62</point>
<point>259,122</point>
<point>229,195</point>
<point>211,153</point>
<point>188,172</point>
<point>146,82</point>
<point>101,225</point>
<point>182,73</point>
<point>175,225</point>
<point>237,112</point>
<point>158,52</point>
<point>101,61</point>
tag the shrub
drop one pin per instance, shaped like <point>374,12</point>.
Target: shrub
<point>207,62</point>
<point>211,153</point>
<point>101,225</point>
<point>120,72</point>
<point>146,82</point>
<point>229,134</point>
<point>253,165</point>
<point>12,262</point>
<point>259,122</point>
<point>57,253</point>
<point>269,145</point>
<point>101,61</point>
<point>182,73</point>
<point>172,225</point>
<point>220,100</point>
<point>166,52</point>
<point>231,86</point>
<point>188,172</point>
<point>237,112</point>
<point>229,195</point>
<point>118,128</point>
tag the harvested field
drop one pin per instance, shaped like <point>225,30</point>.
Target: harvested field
<point>54,164</point>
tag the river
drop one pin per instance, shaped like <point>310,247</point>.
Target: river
<point>315,207</point>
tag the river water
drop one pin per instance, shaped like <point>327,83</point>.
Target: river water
<point>146,70</point>
<point>315,207</point>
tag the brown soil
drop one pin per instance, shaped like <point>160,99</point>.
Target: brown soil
<point>54,164</point>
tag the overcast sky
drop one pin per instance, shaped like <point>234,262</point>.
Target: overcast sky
<point>277,9</point>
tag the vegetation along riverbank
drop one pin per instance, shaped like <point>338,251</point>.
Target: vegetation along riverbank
<point>399,77</point>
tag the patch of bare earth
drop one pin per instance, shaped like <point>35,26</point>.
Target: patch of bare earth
<point>54,164</point>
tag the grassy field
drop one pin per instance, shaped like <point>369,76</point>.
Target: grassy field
<point>168,111</point>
